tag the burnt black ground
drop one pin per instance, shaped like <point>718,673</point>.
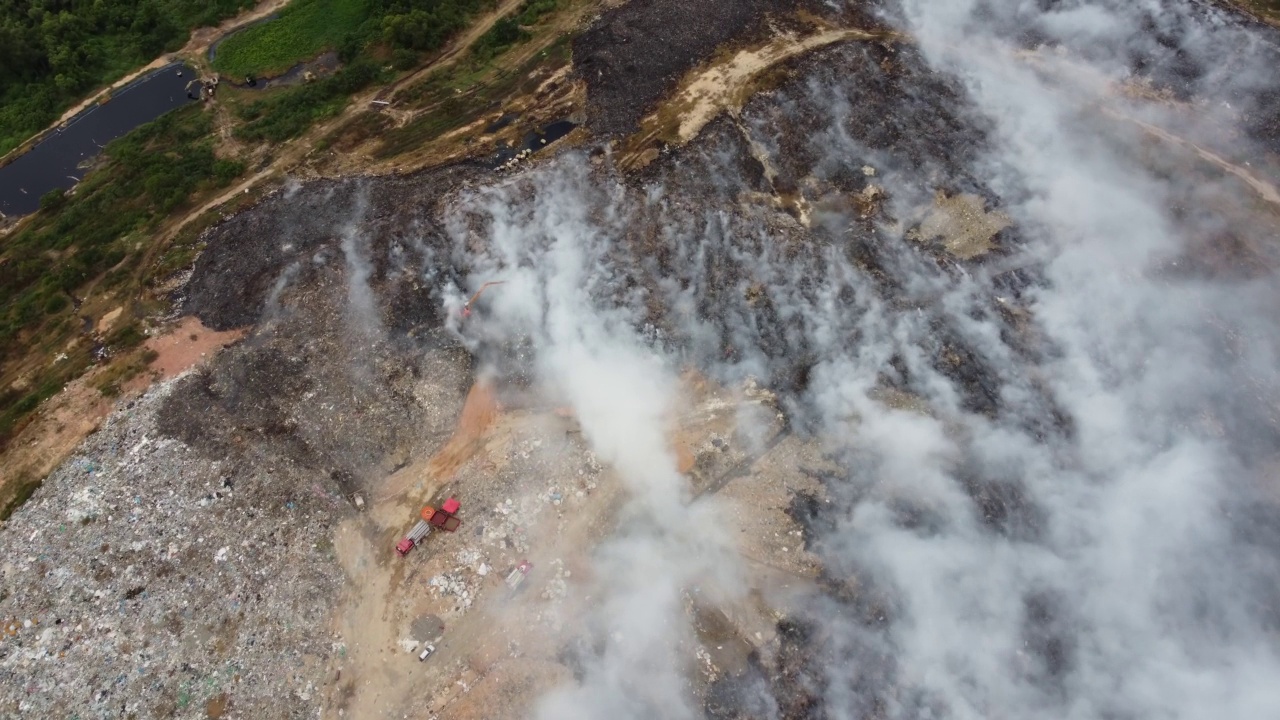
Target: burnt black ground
<point>309,377</point>
<point>636,52</point>
<point>246,255</point>
<point>319,384</point>
<point>311,389</point>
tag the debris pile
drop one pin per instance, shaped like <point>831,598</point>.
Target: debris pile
<point>143,580</point>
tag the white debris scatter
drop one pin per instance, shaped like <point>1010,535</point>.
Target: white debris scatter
<point>121,596</point>
<point>556,587</point>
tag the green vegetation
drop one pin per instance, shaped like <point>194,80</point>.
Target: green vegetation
<point>510,30</point>
<point>288,113</point>
<point>18,491</point>
<point>111,381</point>
<point>425,25</point>
<point>105,239</point>
<point>94,236</point>
<point>52,52</point>
<point>304,29</point>
<point>482,86</point>
<point>307,28</point>
<point>405,27</point>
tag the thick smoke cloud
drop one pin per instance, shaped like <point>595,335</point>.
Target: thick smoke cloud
<point>1082,523</point>
<point>560,298</point>
<point>1133,596</point>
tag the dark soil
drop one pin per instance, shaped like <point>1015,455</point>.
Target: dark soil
<point>246,255</point>
<point>318,384</point>
<point>634,53</point>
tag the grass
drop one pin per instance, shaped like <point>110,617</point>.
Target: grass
<point>288,113</point>
<point>96,238</point>
<point>101,243</point>
<point>451,110</point>
<point>16,492</point>
<point>352,134</point>
<point>110,382</point>
<point>52,54</point>
<point>304,29</point>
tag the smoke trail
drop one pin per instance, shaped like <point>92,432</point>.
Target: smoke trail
<point>1114,585</point>
<point>559,295</point>
<point>365,320</point>
<point>1073,520</point>
<point>272,310</point>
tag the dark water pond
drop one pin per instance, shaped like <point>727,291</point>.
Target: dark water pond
<point>533,141</point>
<point>55,161</point>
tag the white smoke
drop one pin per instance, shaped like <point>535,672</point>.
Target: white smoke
<point>364,319</point>
<point>559,293</point>
<point>1080,546</point>
<point>1130,602</point>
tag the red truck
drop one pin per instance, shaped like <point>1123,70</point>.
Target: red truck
<point>517,576</point>
<point>444,518</point>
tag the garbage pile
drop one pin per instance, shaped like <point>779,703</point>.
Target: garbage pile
<point>146,580</point>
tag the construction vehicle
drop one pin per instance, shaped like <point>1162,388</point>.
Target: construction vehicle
<point>444,518</point>
<point>517,576</point>
<point>466,308</point>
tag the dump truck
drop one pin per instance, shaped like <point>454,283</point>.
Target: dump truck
<point>443,518</point>
<point>518,574</point>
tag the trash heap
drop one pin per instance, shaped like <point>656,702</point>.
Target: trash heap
<point>146,580</point>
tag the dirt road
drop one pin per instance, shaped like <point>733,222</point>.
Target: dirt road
<point>531,489</point>
<point>195,49</point>
<point>1264,189</point>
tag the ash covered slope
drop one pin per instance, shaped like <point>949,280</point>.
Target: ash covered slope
<point>182,562</point>
<point>1059,494</point>
<point>634,54</point>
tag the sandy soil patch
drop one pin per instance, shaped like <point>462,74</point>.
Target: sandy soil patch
<point>59,426</point>
<point>188,345</point>
<point>531,489</point>
<point>479,412</point>
<point>108,320</point>
<point>70,416</point>
<point>963,224</point>
<point>728,86</point>
<point>725,84</point>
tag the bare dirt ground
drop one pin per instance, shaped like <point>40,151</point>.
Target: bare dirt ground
<point>532,490</point>
<point>69,417</point>
<point>63,422</point>
<point>963,224</point>
<point>187,345</point>
<point>724,84</point>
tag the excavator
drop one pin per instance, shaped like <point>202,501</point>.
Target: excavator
<point>466,309</point>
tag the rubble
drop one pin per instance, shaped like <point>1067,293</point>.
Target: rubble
<point>183,556</point>
<point>144,581</point>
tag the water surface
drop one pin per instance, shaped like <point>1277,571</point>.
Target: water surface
<point>55,162</point>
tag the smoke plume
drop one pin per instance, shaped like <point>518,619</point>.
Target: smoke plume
<point>1078,519</point>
